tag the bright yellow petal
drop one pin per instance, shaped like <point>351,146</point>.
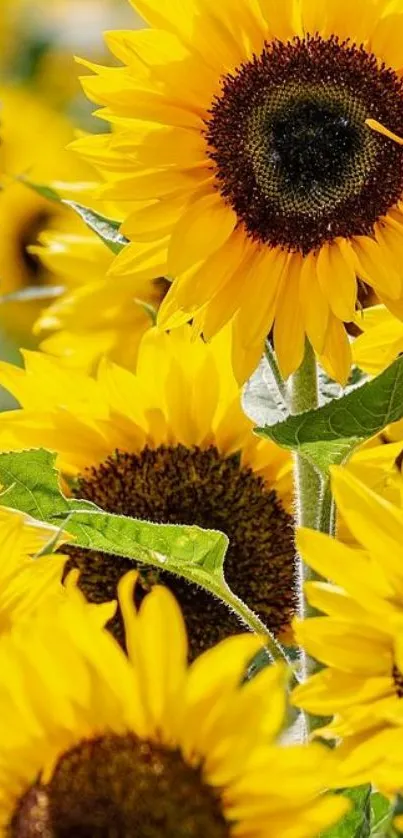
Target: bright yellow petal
<point>289,332</point>
<point>204,227</point>
<point>337,280</point>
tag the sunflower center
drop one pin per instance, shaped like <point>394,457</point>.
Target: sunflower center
<point>29,236</point>
<point>293,154</point>
<point>121,787</point>
<point>398,681</point>
<point>180,485</point>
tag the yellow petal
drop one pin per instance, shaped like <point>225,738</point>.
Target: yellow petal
<point>374,522</point>
<point>336,354</point>
<point>314,304</point>
<point>345,645</point>
<point>157,646</point>
<point>381,129</point>
<point>338,281</point>
<point>374,265</point>
<point>346,566</point>
<point>144,260</point>
<point>204,227</point>
<point>289,332</point>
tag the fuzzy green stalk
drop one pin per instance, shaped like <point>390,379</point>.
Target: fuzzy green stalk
<point>310,495</point>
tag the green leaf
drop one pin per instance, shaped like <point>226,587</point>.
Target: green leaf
<point>381,815</point>
<point>261,400</point>
<point>31,485</point>
<point>106,228</point>
<point>41,189</point>
<point>356,823</point>
<point>329,390</point>
<point>330,433</point>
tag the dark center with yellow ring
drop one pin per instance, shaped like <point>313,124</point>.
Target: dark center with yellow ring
<point>180,485</point>
<point>293,154</point>
<point>121,787</point>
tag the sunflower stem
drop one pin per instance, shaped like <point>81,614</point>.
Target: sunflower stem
<point>272,361</point>
<point>327,510</point>
<point>313,503</point>
<point>255,624</point>
<point>304,396</point>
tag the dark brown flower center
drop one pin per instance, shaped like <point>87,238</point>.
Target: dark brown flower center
<point>179,485</point>
<point>121,787</point>
<point>398,681</point>
<point>293,154</point>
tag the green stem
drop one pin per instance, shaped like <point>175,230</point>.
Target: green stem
<point>272,361</point>
<point>309,493</point>
<point>327,512</point>
<point>254,623</point>
<point>304,396</point>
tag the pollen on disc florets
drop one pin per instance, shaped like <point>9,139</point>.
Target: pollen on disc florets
<point>180,485</point>
<point>292,152</point>
<point>121,787</point>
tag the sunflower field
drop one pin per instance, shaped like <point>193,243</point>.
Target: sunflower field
<point>201,418</point>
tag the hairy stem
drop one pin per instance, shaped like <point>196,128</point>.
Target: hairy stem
<point>272,361</point>
<point>254,623</point>
<point>310,494</point>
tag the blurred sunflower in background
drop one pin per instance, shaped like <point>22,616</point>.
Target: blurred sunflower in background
<point>241,131</point>
<point>24,214</point>
<point>156,750</point>
<point>96,316</point>
<point>169,444</point>
<point>39,41</point>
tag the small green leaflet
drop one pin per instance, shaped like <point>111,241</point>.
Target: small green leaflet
<point>106,228</point>
<point>41,189</point>
<point>329,434</point>
<point>381,815</point>
<point>357,822</point>
<point>329,390</point>
<point>31,485</point>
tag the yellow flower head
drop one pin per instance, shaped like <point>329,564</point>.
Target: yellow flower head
<point>97,316</point>
<point>27,581</point>
<point>242,141</point>
<point>23,213</point>
<point>92,741</point>
<point>169,444</point>
<point>359,637</point>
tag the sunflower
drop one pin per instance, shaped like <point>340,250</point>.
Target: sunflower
<point>97,316</point>
<point>27,580</point>
<point>173,447</point>
<point>241,132</point>
<point>24,214</point>
<point>43,36</point>
<point>358,638</point>
<point>157,750</point>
